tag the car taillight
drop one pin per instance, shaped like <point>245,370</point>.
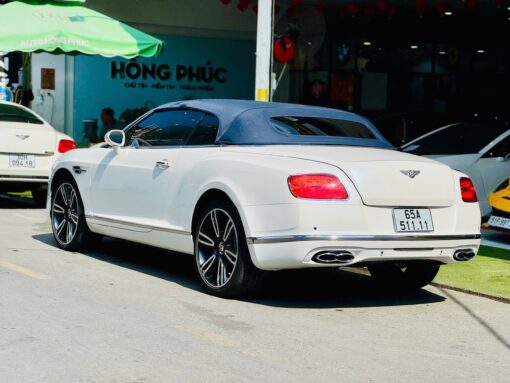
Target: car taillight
<point>317,186</point>
<point>467,189</point>
<point>66,145</point>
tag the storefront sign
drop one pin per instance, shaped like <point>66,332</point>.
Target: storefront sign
<point>188,68</point>
<point>163,76</point>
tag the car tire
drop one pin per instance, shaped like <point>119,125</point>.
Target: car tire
<point>413,277</point>
<point>222,259</point>
<point>39,196</point>
<point>67,215</point>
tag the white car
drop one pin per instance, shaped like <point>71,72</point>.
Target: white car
<point>247,186</point>
<point>482,151</point>
<point>28,148</point>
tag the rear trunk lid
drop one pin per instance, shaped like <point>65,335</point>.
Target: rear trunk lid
<point>382,177</point>
<point>18,138</point>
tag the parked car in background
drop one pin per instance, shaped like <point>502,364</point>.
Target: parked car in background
<point>29,147</point>
<point>479,150</point>
<point>400,128</point>
<point>499,201</point>
<point>247,186</point>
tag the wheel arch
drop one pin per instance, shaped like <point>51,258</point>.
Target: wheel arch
<point>206,197</point>
<point>59,174</point>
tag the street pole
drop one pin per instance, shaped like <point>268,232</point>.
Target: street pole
<point>263,67</point>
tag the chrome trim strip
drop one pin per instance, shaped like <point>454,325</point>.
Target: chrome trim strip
<point>139,226</point>
<point>23,177</point>
<point>302,238</point>
<point>45,154</point>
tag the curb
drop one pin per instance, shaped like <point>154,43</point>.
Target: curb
<point>470,292</point>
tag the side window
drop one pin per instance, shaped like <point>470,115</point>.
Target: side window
<point>165,128</point>
<point>206,131</point>
<point>501,149</point>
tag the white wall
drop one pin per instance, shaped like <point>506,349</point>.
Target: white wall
<point>50,103</point>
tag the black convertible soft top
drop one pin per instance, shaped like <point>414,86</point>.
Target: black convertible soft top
<point>250,123</point>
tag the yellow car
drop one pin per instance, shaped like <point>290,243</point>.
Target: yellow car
<point>499,200</point>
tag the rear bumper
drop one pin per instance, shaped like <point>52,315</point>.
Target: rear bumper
<point>291,252</point>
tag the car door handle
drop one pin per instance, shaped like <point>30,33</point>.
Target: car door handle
<point>163,164</point>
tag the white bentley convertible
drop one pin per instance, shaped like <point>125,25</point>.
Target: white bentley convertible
<point>247,187</point>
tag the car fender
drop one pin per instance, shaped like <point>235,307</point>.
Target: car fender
<point>250,181</point>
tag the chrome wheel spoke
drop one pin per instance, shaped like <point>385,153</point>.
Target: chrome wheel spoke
<point>231,256</point>
<point>63,193</point>
<point>74,218</point>
<point>72,198</point>
<point>228,230</point>
<point>207,264</point>
<point>69,233</point>
<point>221,274</point>
<point>60,227</point>
<point>216,226</point>
<point>58,209</point>
<point>204,239</point>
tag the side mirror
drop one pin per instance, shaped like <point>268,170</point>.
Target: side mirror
<point>116,139</point>
<point>503,159</point>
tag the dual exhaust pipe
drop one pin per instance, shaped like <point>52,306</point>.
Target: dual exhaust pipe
<point>333,257</point>
<point>463,255</point>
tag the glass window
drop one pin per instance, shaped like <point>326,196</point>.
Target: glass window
<point>165,128</point>
<point>457,139</point>
<point>318,126</point>
<point>501,149</point>
<point>206,131</point>
<point>13,113</point>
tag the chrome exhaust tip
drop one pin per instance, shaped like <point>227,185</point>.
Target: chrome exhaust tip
<point>333,257</point>
<point>463,255</point>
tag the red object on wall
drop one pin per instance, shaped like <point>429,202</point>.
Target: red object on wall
<point>284,49</point>
<point>369,11</point>
<point>352,8</point>
<point>296,2</point>
<point>383,5</point>
<point>392,11</point>
<point>321,8</point>
<point>226,2</point>
<point>243,5</point>
<point>471,4</point>
<point>421,6</point>
<point>441,6</point>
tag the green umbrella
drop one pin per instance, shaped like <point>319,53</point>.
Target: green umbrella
<point>67,27</point>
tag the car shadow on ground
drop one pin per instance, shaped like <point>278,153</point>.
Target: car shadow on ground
<point>324,288</point>
<point>8,201</point>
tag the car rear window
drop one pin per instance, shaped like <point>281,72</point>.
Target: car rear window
<point>13,113</point>
<point>319,126</point>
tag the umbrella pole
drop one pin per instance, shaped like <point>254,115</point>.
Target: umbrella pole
<point>28,96</point>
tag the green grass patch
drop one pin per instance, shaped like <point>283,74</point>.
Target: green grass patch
<point>488,273</point>
<point>27,194</point>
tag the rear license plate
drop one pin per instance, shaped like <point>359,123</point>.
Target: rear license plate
<point>412,220</point>
<point>22,161</point>
<point>499,222</point>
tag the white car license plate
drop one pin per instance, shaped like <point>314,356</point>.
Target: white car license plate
<point>499,222</point>
<point>412,220</point>
<point>22,161</point>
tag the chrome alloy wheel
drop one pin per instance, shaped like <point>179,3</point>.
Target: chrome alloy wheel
<point>217,247</point>
<point>64,213</point>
